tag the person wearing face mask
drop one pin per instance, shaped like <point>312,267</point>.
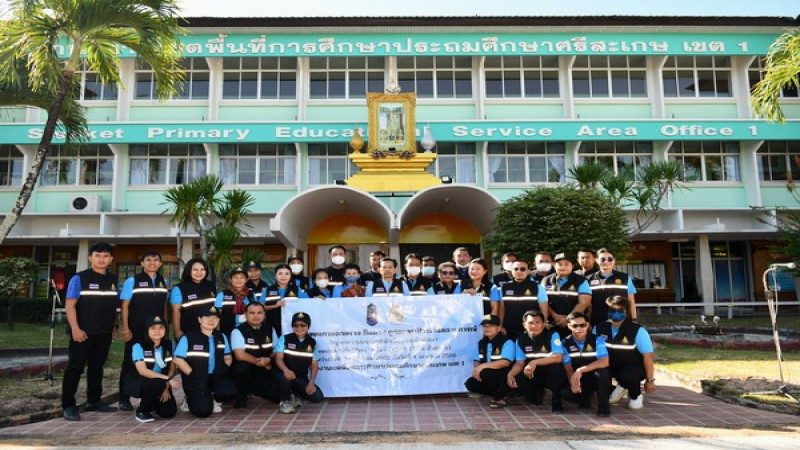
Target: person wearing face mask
<point>566,292</point>
<point>630,351</point>
<point>296,265</point>
<point>388,284</point>
<point>352,287</point>
<point>338,255</point>
<point>429,268</point>
<point>322,286</point>
<point>374,273</point>
<point>417,284</point>
<point>516,297</point>
<point>507,260</point>
<point>544,266</point>
<point>608,282</point>
<point>461,258</point>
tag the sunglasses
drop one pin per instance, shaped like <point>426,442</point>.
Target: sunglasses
<point>609,259</point>
<point>578,325</point>
<point>520,269</point>
<point>299,325</point>
<point>447,273</point>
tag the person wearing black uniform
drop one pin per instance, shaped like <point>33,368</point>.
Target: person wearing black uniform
<point>203,357</point>
<point>296,265</point>
<point>276,295</point>
<point>417,284</point>
<point>322,288</point>
<point>193,295</point>
<point>516,297</point>
<point>461,259</point>
<point>492,363</point>
<point>234,300</point>
<point>296,356</point>
<point>91,308</point>
<point>374,272</point>
<point>143,296</point>
<point>543,266</point>
<point>429,268</point>
<point>338,256</point>
<point>447,284</point>
<point>608,282</point>
<point>586,365</point>
<point>566,292</point>
<point>152,379</point>
<point>253,368</point>
<point>255,283</point>
<point>388,284</point>
<point>587,263</point>
<point>478,283</point>
<point>507,260</point>
<point>539,354</point>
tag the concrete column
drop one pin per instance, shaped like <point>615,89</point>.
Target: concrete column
<point>187,251</point>
<point>655,85</point>
<point>565,85</point>
<point>749,171</point>
<point>705,274</point>
<point>83,255</point>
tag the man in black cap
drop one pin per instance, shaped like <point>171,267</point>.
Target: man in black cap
<point>566,292</point>
<point>492,363</point>
<point>296,356</point>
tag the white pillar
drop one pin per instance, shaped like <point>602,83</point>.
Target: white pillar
<point>83,255</point>
<point>187,251</point>
<point>705,274</point>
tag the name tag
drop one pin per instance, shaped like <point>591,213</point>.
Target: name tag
<point>148,353</point>
<point>143,284</point>
<point>251,341</point>
<point>595,282</point>
<point>528,348</point>
<point>550,287</point>
<point>292,346</point>
<point>197,347</point>
<point>509,292</point>
<point>191,296</point>
<point>227,297</point>
<point>94,286</point>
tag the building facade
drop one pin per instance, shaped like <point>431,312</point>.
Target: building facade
<point>271,104</point>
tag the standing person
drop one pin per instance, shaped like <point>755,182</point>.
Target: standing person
<point>91,308</point>
<point>630,352</point>
<point>296,265</point>
<point>253,367</point>
<point>492,362</point>
<point>338,256</point>
<point>543,266</point>
<point>374,272</point>
<point>516,297</point>
<point>447,283</point>
<point>461,259</point>
<point>296,356</point>
<point>192,296</point>
<point>608,282</point>
<point>586,366</point>
<point>587,263</point>
<point>566,292</point>
<point>276,295</point>
<point>322,285</point>
<point>388,284</point>
<point>144,295</point>
<point>478,283</point>
<point>416,282</point>
<point>539,354</point>
<point>234,300</point>
<point>429,269</point>
<point>203,356</point>
<point>352,287</point>
<point>507,260</point>
<point>255,283</point>
<point>153,378</point>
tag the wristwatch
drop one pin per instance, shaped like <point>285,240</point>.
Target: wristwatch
<point>650,380</point>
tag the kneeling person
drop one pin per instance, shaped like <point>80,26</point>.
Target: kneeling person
<point>586,364</point>
<point>539,354</point>
<point>492,363</point>
<point>296,356</point>
<point>152,380</point>
<point>252,369</point>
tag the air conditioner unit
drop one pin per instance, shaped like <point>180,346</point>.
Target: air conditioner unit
<point>86,203</point>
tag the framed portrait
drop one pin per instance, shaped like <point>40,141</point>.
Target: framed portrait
<point>392,122</point>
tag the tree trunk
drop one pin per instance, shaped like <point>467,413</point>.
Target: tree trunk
<point>41,152</point>
<point>10,317</point>
<point>181,262</point>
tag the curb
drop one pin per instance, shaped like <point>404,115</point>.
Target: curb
<point>49,414</point>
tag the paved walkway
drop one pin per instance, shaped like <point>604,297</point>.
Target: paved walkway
<point>671,405</point>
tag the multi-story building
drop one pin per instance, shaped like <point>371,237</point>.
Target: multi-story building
<point>270,105</point>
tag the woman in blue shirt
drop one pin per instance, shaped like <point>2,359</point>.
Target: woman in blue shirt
<point>153,381</point>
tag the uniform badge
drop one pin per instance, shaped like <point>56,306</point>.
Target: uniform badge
<point>625,340</point>
<point>113,286</point>
<point>589,348</point>
<point>267,339</point>
<point>617,281</point>
<point>157,319</point>
<point>487,317</point>
<point>396,289</point>
<point>557,341</point>
<point>572,288</point>
<point>496,351</point>
<point>527,292</point>
<point>543,349</point>
<point>309,348</point>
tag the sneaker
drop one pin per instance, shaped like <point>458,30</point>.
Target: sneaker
<point>101,407</point>
<point>618,394</point>
<point>125,405</point>
<point>145,417</point>
<point>637,403</point>
<point>184,406</point>
<point>71,413</point>
<point>217,407</point>
<point>286,407</point>
<point>296,401</point>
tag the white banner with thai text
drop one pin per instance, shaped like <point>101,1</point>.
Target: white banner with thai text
<point>385,346</point>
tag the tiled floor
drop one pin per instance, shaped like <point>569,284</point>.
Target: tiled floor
<point>670,405</point>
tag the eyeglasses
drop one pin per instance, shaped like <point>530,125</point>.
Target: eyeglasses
<point>447,273</point>
<point>520,269</point>
<point>300,325</point>
<point>578,325</point>
<point>608,259</point>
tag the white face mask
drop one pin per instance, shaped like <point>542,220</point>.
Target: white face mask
<point>322,283</point>
<point>428,271</point>
<point>338,260</point>
<point>544,267</point>
<point>296,268</point>
<point>462,266</point>
<point>507,266</point>
<point>413,270</point>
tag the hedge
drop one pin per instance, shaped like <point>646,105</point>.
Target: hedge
<point>27,310</point>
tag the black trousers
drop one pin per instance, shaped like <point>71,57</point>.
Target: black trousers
<point>297,387</point>
<point>92,353</point>
<point>629,376</point>
<point>597,381</point>
<point>200,396</point>
<point>127,366</point>
<point>254,380</point>
<point>493,382</point>
<point>544,377</point>
<point>151,391</point>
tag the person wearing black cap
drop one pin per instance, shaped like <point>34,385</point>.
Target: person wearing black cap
<point>253,369</point>
<point>234,300</point>
<point>203,357</point>
<point>193,295</point>
<point>566,292</point>
<point>152,380</point>
<point>255,283</point>
<point>296,356</point>
<point>492,363</point>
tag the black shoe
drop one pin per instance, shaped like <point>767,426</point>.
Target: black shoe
<point>557,408</point>
<point>125,405</point>
<point>71,413</point>
<point>537,397</point>
<point>100,407</point>
<point>585,405</point>
<point>240,402</point>
<point>144,417</point>
<point>604,412</point>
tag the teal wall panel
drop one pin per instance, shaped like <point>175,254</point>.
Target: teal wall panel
<point>524,111</point>
<point>615,111</point>
<point>701,111</point>
<point>699,196</point>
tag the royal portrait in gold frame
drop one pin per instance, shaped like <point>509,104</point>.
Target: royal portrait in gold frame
<point>392,122</point>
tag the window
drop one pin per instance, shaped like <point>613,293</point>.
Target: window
<point>684,267</point>
<point>11,166</point>
<point>526,162</point>
<point>609,76</point>
<point>756,72</point>
<point>521,76</point>
<point>271,164</point>
<point>85,165</point>
<point>194,86</point>
<point>456,160</point>
<point>328,163</point>
<point>624,158</point>
<point>91,86</point>
<point>259,78</point>
<point>346,77</point>
<point>646,274</point>
<point>730,271</point>
<point>697,76</point>
<point>779,160</point>
<point>161,164</point>
<point>708,160</point>
<point>436,76</point>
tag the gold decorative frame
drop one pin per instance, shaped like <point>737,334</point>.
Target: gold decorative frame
<point>392,122</point>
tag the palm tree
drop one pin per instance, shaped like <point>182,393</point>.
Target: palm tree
<point>781,71</point>
<point>95,28</point>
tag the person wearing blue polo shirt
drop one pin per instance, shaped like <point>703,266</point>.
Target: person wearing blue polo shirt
<point>608,282</point>
<point>631,353</point>
<point>586,364</point>
<point>566,292</point>
<point>152,378</point>
<point>515,297</point>
<point>193,295</point>
<point>387,284</point>
<point>492,363</point>
<point>296,355</point>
